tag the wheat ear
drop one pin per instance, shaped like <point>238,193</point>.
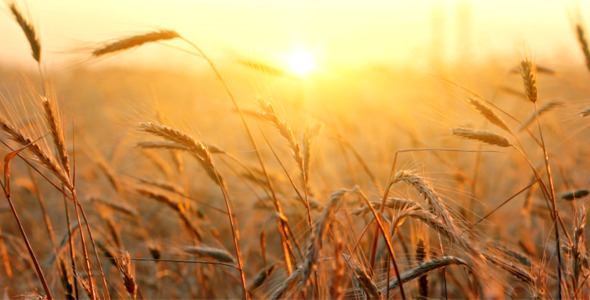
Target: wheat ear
<point>485,136</point>
<point>29,31</point>
<point>488,113</point>
<point>135,41</point>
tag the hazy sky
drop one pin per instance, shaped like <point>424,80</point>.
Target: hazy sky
<point>337,32</point>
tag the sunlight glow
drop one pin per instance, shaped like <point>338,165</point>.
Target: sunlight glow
<point>300,62</point>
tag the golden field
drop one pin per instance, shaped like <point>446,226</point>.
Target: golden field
<point>238,178</point>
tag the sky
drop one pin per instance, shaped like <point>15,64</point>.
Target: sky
<point>335,32</point>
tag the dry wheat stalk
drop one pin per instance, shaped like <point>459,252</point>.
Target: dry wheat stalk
<point>583,43</point>
<point>29,31</point>
<point>135,41</point>
<point>424,268</point>
<point>528,71</point>
<point>315,242</point>
<point>488,113</point>
<point>461,240</point>
<point>214,253</point>
<point>434,202</point>
<point>66,279</point>
<point>161,145</point>
<point>286,284</point>
<point>56,129</point>
<point>196,148</point>
<point>43,157</point>
<point>579,247</point>
<point>394,203</point>
<point>128,273</point>
<point>361,276</point>
<point>483,136</point>
<point>285,131</point>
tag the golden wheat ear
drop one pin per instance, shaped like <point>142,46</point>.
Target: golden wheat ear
<point>135,41</point>
<point>487,137</point>
<point>29,31</point>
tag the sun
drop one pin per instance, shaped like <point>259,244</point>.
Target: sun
<point>300,62</point>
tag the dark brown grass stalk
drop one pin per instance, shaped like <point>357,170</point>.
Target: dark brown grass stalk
<point>29,31</point>
<point>135,41</point>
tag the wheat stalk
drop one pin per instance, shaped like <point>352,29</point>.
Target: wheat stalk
<point>285,131</point>
<point>424,268</point>
<point>135,41</point>
<point>128,273</point>
<point>29,31</point>
<point>528,71</point>
<point>583,43</point>
<point>361,276</point>
<point>315,241</point>
<point>43,157</point>
<point>487,137</point>
<point>55,126</point>
<point>488,113</point>
<point>214,253</point>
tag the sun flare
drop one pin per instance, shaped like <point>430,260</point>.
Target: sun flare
<point>300,62</point>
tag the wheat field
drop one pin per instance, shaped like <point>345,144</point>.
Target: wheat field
<point>243,180</point>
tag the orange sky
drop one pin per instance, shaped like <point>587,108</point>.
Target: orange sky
<point>337,32</point>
